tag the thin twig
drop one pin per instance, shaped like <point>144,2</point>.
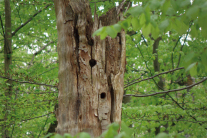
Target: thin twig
<point>36,53</point>
<point>174,50</point>
<point>120,7</point>
<point>131,83</point>
<point>38,92</point>
<point>182,107</point>
<point>168,91</point>
<point>146,63</point>
<point>144,40</point>
<point>32,118</point>
<point>2,26</point>
<point>46,71</point>
<point>43,126</point>
<point>28,82</point>
<point>184,43</point>
<point>29,19</point>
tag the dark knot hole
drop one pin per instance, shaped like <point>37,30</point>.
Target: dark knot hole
<point>103,95</point>
<point>92,62</point>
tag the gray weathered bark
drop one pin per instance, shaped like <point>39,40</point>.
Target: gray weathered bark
<point>91,71</point>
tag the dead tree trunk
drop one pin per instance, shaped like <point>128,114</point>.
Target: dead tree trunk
<point>91,71</point>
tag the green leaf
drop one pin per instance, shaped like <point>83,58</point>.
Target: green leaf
<point>117,27</point>
<point>192,12</point>
<point>162,135</point>
<point>126,129</point>
<point>163,25</point>
<point>204,59</point>
<point>154,4</point>
<point>184,3</point>
<point>175,4</point>
<point>193,70</point>
<point>136,11</point>
<point>125,24</point>
<point>135,23</point>
<point>155,32</point>
<point>84,135</point>
<point>58,136</point>
<point>66,135</point>
<point>203,20</point>
<point>112,131</point>
<point>194,31</point>
<point>180,27</point>
<point>115,126</point>
<point>48,135</point>
<point>189,56</point>
<point>103,35</point>
<point>142,19</point>
<point>98,32</point>
<point>190,66</point>
<point>170,11</point>
<point>147,14</point>
<point>146,30</point>
<point>111,31</point>
<point>165,7</point>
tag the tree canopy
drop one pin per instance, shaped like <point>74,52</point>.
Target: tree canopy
<point>165,76</point>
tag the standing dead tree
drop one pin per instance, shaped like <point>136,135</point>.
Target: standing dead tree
<point>91,71</point>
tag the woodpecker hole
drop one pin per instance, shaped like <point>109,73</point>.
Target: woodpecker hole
<point>91,42</point>
<point>92,62</point>
<point>103,95</point>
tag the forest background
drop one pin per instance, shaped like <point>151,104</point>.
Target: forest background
<point>165,77</point>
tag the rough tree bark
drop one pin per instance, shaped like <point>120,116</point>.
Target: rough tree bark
<point>91,71</point>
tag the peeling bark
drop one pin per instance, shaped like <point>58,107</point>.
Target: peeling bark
<point>91,71</point>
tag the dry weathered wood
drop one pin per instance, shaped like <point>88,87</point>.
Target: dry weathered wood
<point>91,70</point>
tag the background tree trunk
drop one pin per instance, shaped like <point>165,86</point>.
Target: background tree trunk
<point>91,71</point>
<point>7,63</point>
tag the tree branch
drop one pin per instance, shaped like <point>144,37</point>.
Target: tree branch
<point>36,53</point>
<point>174,121</point>
<point>2,26</point>
<point>32,118</point>
<point>184,43</point>
<point>37,92</point>
<point>173,51</point>
<point>146,62</point>
<point>131,83</point>
<point>120,7</point>
<point>28,82</point>
<point>168,91</point>
<point>29,19</point>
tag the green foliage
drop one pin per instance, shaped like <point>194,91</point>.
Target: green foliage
<point>111,132</point>
<point>182,27</point>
